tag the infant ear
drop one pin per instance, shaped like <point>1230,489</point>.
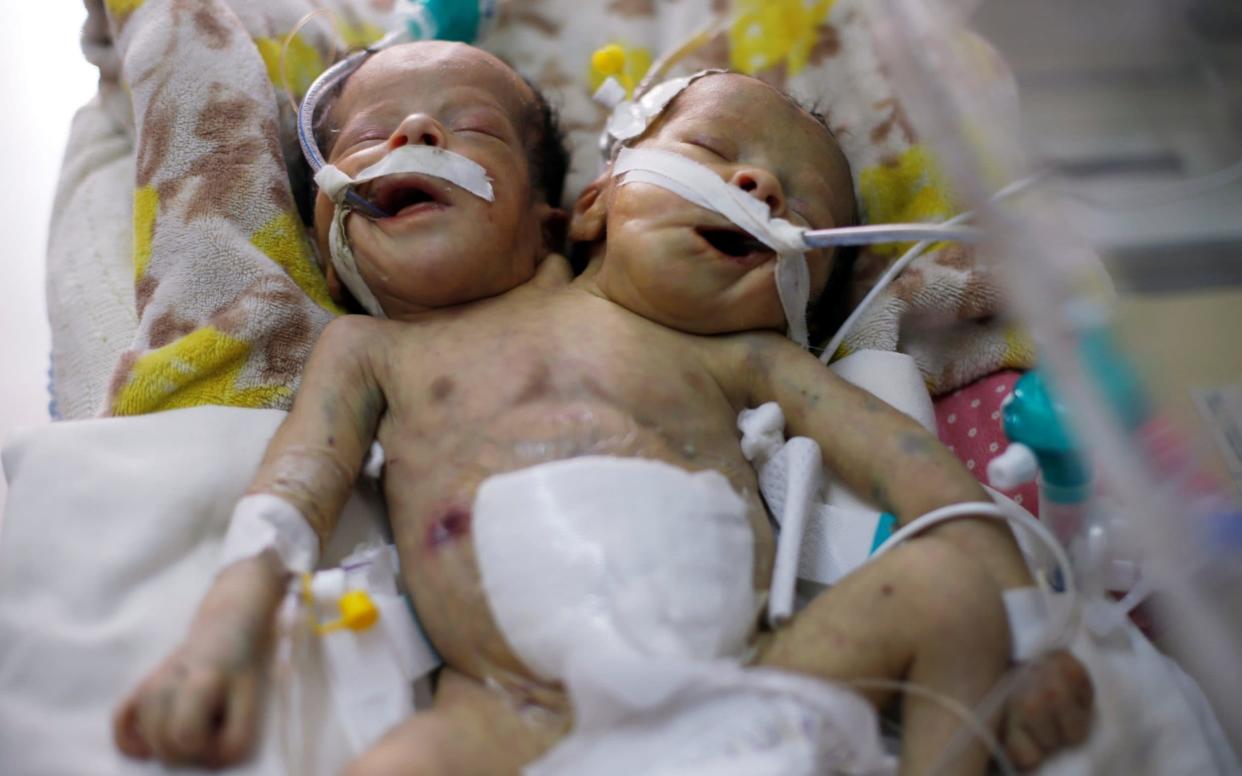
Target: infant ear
<point>555,223</point>
<point>591,210</point>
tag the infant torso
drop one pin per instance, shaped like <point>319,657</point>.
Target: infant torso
<point>538,375</point>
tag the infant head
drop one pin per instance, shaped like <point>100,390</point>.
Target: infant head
<point>441,244</point>
<point>690,268</point>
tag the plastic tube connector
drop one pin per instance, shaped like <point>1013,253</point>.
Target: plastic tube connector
<point>1014,467</point>
<point>358,613</point>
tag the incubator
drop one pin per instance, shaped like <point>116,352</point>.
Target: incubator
<point>1123,82</point>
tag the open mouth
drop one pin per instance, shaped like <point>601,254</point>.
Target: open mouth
<point>403,195</point>
<point>737,245</point>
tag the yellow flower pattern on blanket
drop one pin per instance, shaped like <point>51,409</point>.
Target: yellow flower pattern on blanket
<point>628,64</point>
<point>146,206</point>
<point>769,33</point>
<point>302,64</point>
<point>282,241</point>
<point>910,189</point>
<point>357,34</point>
<point>198,369</point>
<point>229,296</point>
<point>122,8</point>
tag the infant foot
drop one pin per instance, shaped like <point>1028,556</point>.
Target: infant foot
<point>1049,711</point>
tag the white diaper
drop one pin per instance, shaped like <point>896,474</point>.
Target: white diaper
<point>630,581</point>
<point>598,554</point>
<point>712,718</point>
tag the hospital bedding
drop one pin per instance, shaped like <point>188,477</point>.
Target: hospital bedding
<point>111,535</point>
<point>112,532</point>
<point>102,576</point>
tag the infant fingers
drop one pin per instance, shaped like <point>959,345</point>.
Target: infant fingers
<point>125,731</point>
<point>1022,750</point>
<point>155,701</point>
<point>199,701</point>
<point>236,732</point>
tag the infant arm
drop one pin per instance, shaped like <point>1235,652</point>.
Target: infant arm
<point>879,452</point>
<point>316,454</point>
<point>200,705</point>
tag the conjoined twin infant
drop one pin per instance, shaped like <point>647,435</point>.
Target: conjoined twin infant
<point>491,361</point>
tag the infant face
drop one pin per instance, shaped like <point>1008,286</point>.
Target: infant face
<point>442,245</point>
<point>692,269</point>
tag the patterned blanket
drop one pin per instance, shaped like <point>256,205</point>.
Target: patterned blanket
<point>228,293</point>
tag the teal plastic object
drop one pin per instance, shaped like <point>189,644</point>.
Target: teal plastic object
<point>1115,377</point>
<point>459,20</point>
<point>1034,418</point>
<point>1037,419</point>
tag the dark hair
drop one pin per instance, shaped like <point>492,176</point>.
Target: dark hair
<point>829,311</point>
<point>547,153</point>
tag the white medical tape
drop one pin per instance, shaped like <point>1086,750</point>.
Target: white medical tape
<point>701,186</point>
<point>1026,608</point>
<point>420,159</point>
<point>631,118</point>
<point>261,522</point>
<point>424,160</point>
<point>379,674</point>
<point>615,554</point>
<point>346,265</point>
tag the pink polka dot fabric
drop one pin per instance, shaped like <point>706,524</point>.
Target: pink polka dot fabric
<point>969,422</point>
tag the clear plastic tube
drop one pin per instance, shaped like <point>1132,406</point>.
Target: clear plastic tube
<point>1041,257</point>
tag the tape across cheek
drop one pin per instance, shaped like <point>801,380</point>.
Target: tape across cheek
<point>701,186</point>
<point>412,159</point>
<point>458,170</point>
<point>596,555</point>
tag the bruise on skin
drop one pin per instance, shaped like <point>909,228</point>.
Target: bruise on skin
<point>694,380</point>
<point>449,527</point>
<point>537,386</point>
<point>596,388</point>
<point>442,387</point>
<point>914,444</point>
<point>879,496</point>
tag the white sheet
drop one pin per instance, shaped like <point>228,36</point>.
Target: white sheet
<point>111,536</point>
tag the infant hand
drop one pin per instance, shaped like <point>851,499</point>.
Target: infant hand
<point>199,706</point>
<point>1050,710</point>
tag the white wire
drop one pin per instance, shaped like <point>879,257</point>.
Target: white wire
<point>917,250</point>
<point>1166,193</point>
<point>989,510</point>
<point>973,723</point>
<point>878,234</point>
<point>994,511</point>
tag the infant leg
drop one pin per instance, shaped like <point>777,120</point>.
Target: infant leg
<point>924,613</point>
<point>470,730</point>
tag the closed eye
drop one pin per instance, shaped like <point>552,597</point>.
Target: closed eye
<point>481,131</point>
<point>708,148</point>
<point>711,145</point>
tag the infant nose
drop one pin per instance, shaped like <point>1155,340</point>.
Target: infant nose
<point>763,186</point>
<point>418,129</point>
